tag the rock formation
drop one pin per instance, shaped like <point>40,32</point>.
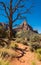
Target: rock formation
<point>24,26</point>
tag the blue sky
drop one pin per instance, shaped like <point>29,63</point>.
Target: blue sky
<point>33,19</point>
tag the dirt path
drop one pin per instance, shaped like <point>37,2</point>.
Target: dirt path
<point>27,59</point>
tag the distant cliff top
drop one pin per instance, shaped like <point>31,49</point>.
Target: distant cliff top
<point>24,26</point>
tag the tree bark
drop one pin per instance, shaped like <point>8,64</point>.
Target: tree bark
<point>10,21</point>
<point>10,30</point>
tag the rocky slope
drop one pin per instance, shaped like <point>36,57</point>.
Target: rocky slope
<point>24,26</point>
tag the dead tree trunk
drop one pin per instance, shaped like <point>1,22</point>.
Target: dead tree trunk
<point>11,10</point>
<point>10,21</point>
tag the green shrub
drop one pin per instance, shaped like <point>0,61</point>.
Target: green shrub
<point>31,36</point>
<point>24,34</point>
<point>16,46</point>
<point>2,62</point>
<point>35,38</point>
<point>34,46</point>
<point>24,42</point>
<point>18,40</point>
<point>2,44</point>
<point>39,56</point>
<point>7,53</point>
<point>38,51</point>
<point>3,34</point>
<point>13,45</point>
<point>33,63</point>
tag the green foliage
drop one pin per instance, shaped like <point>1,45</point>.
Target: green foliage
<point>34,46</point>
<point>16,46</point>
<point>24,34</point>
<point>8,53</point>
<point>38,56</point>
<point>21,40</point>
<point>2,44</point>
<point>33,63</point>
<point>35,38</point>
<point>31,36</point>
<point>13,45</point>
<point>18,40</point>
<point>38,51</point>
<point>2,62</point>
<point>5,52</point>
<point>23,37</point>
<point>24,42</point>
<point>3,34</point>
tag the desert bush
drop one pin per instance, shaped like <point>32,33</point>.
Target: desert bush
<point>38,54</point>
<point>34,45</point>
<point>33,63</point>
<point>8,53</point>
<point>31,36</point>
<point>3,34</point>
<point>39,51</point>
<point>24,42</point>
<point>16,46</point>
<point>18,35</point>
<point>2,44</point>
<point>13,45</point>
<point>2,62</point>
<point>35,38</point>
<point>18,40</point>
<point>24,34</point>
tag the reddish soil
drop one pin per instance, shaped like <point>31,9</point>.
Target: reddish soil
<point>27,59</point>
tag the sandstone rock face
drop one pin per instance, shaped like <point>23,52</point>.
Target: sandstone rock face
<point>24,26</point>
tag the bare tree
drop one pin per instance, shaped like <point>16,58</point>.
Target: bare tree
<point>12,9</point>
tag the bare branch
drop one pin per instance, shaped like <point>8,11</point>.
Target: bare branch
<point>15,8</point>
<point>22,17</point>
<point>22,6</point>
<point>27,10</point>
<point>3,15</point>
<point>8,8</point>
<point>15,25</point>
<point>2,3</point>
<point>14,19</point>
<point>19,16</point>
